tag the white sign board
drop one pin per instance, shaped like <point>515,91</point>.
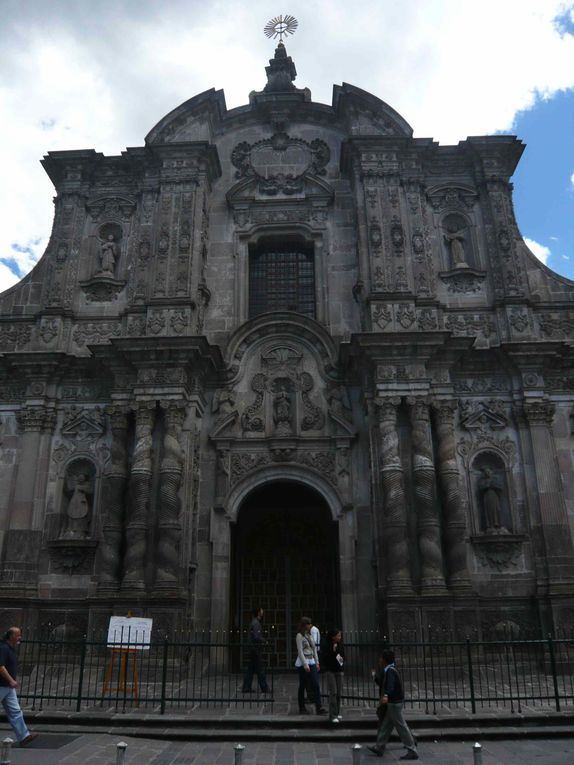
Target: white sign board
<point>129,632</point>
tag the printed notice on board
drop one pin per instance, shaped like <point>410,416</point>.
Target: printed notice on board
<point>129,632</point>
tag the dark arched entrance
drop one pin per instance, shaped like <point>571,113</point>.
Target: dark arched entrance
<point>285,559</point>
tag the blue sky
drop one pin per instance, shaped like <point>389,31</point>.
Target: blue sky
<point>77,75</point>
<point>544,180</point>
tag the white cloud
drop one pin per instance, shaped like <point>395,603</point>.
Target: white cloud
<point>572,179</point>
<point>539,250</point>
<point>100,76</point>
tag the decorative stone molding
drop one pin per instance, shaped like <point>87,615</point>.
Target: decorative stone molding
<point>83,424</point>
<point>480,440</point>
<point>72,556</point>
<point>36,418</point>
<point>111,208</point>
<point>452,198</point>
<point>483,415</point>
<point>500,551</point>
<point>102,288</point>
<point>539,412</point>
<point>94,333</point>
<point>285,175</point>
<point>463,281</point>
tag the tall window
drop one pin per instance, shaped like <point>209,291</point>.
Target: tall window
<point>281,278</point>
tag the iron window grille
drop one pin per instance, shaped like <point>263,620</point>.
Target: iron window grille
<point>282,278</point>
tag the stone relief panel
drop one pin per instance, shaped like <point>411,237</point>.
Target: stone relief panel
<point>280,164</point>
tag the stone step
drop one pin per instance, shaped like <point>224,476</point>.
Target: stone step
<point>329,733</point>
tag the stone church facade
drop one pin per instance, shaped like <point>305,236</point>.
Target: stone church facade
<point>288,355</point>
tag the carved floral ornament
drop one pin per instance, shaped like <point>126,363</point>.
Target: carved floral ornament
<point>280,163</point>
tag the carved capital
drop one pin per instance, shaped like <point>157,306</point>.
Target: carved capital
<point>36,418</point>
<point>419,408</point>
<point>445,412</point>
<point>118,417</point>
<point>387,408</point>
<point>539,412</point>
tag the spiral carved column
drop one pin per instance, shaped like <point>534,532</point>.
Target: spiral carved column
<point>114,502</point>
<point>140,494</point>
<point>428,523</point>
<point>169,527</point>
<point>395,520</point>
<point>454,531</point>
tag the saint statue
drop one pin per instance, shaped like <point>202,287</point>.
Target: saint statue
<point>78,512</point>
<point>282,413</point>
<point>490,494</point>
<point>455,238</point>
<point>108,255</point>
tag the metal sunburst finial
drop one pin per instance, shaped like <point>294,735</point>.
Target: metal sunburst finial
<point>281,26</point>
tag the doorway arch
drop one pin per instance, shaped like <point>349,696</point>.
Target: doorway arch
<point>285,559</point>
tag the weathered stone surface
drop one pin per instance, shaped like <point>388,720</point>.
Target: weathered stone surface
<point>297,296</point>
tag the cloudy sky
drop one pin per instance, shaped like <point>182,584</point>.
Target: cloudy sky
<point>99,74</point>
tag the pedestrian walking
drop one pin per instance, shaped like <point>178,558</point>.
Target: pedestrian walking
<point>9,683</point>
<point>307,664</point>
<point>390,711</point>
<point>332,656</point>
<point>255,660</point>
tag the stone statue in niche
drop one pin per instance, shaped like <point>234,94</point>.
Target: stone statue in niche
<point>491,493</point>
<point>79,492</point>
<point>455,235</point>
<point>108,255</point>
<point>282,409</point>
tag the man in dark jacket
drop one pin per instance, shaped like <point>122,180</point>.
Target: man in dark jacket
<point>255,663</point>
<point>8,685</point>
<point>392,698</point>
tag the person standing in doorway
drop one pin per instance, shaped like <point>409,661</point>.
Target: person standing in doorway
<point>255,662</point>
<point>332,656</point>
<point>391,702</point>
<point>307,664</point>
<point>8,685</point>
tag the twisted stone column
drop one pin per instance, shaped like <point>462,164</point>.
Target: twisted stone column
<point>395,519</point>
<point>171,469</point>
<point>550,493</point>
<point>428,523</point>
<point>454,530</point>
<point>114,496</point>
<point>140,494</point>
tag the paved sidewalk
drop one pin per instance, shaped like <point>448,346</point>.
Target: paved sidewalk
<point>100,749</point>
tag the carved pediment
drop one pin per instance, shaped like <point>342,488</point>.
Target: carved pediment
<point>111,208</point>
<point>85,424</point>
<point>480,415</point>
<point>452,197</point>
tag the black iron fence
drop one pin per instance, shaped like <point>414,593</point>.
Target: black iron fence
<point>206,671</point>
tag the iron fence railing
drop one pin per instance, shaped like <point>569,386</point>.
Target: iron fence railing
<point>206,670</point>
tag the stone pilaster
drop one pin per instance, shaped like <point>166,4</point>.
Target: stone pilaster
<point>115,486</point>
<point>554,519</point>
<point>140,495</point>
<point>454,528</point>
<point>169,526</point>
<point>424,480</point>
<point>395,516</point>
<point>23,539</point>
